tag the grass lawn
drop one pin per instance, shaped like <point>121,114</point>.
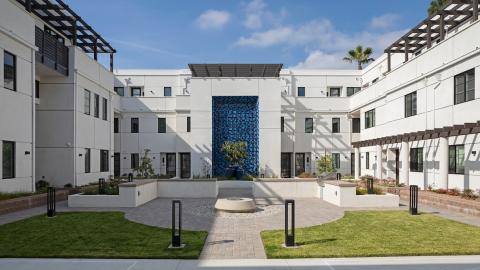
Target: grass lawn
<point>8,196</point>
<point>93,235</point>
<point>374,233</point>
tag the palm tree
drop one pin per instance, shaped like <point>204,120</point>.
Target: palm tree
<point>436,5</point>
<point>360,56</point>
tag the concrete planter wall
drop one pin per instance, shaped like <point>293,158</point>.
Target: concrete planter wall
<point>343,194</point>
<point>178,188</point>
<point>286,188</point>
<point>234,184</point>
<point>21,203</point>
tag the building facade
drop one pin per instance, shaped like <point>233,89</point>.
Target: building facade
<point>411,116</point>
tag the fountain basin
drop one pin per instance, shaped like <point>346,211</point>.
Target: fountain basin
<point>235,205</point>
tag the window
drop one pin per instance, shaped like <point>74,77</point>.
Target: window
<point>416,160</point>
<point>120,91</point>
<point>308,125</point>
<point>370,119</point>
<point>355,125</point>
<point>87,160</point>
<point>115,125</point>
<point>167,91</point>
<point>301,91</point>
<point>367,160</point>
<point>9,71</point>
<point>335,92</point>
<point>188,124</point>
<point>411,104</point>
<point>352,91</point>
<point>8,160</point>
<point>162,125</point>
<point>375,80</point>
<point>136,92</point>
<point>465,86</point>
<point>104,160</point>
<point>37,89</point>
<point>456,159</point>
<point>134,125</point>
<point>335,125</point>
<point>336,160</point>
<point>96,105</point>
<point>134,161</point>
<point>282,124</point>
<point>86,102</point>
<point>105,109</point>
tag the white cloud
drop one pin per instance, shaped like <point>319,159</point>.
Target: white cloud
<point>213,19</point>
<point>385,21</point>
<point>257,15</point>
<point>265,39</point>
<point>321,60</point>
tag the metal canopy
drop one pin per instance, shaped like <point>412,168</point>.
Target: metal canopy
<point>452,15</point>
<point>235,70</point>
<point>60,17</point>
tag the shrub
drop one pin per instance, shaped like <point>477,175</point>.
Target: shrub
<point>441,191</point>
<point>469,194</point>
<point>453,192</point>
<point>361,191</point>
<point>306,175</point>
<point>145,168</point>
<point>41,186</point>
<point>68,185</point>
<point>325,164</point>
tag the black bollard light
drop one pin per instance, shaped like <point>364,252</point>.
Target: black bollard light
<point>130,177</point>
<point>290,232</point>
<point>339,176</point>
<point>413,200</point>
<point>176,226</point>
<point>370,186</point>
<point>51,202</point>
<point>101,186</point>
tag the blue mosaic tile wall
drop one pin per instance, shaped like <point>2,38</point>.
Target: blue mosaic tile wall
<point>235,119</point>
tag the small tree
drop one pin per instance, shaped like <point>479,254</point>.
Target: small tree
<point>145,168</point>
<point>325,165</point>
<point>360,56</point>
<point>435,6</point>
<point>235,152</point>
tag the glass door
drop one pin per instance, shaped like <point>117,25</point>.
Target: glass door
<point>116,164</point>
<point>286,165</point>
<point>185,165</point>
<point>171,165</point>
<point>299,163</point>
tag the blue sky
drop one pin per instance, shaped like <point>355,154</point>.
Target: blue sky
<point>300,33</point>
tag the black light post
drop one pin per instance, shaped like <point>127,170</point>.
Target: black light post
<point>176,226</point>
<point>413,200</point>
<point>51,202</point>
<point>290,232</point>
<point>130,177</point>
<point>339,176</point>
<point>101,186</point>
<point>370,186</point>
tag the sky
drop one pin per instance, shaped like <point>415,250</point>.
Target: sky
<point>308,34</point>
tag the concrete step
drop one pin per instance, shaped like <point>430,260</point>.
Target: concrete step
<point>235,192</point>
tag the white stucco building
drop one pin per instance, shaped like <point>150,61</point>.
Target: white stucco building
<point>412,115</point>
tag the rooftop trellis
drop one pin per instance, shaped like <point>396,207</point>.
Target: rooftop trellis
<point>434,28</point>
<point>235,70</point>
<point>62,18</point>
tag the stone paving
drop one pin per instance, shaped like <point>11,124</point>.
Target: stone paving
<point>234,235</point>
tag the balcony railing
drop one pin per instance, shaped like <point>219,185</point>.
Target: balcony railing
<point>51,52</point>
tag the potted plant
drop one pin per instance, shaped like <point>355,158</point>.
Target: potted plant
<point>235,153</point>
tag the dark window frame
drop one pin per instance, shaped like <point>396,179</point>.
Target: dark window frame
<point>7,67</point>
<point>162,127</point>
<point>370,118</point>
<point>134,125</point>
<point>104,161</point>
<point>37,89</point>
<point>301,91</point>
<point>134,161</point>
<point>356,125</point>
<point>96,105</point>
<point>87,160</point>
<point>353,90</point>
<point>337,90</point>
<point>87,106</point>
<point>308,127</point>
<point>12,157</point>
<point>167,90</point>
<point>464,93</point>
<point>411,104</point>
<point>453,159</point>
<point>367,160</point>
<point>416,159</point>
<point>104,109</point>
<point>116,125</point>
<point>336,160</point>
<point>134,89</point>
<point>336,125</point>
<point>282,124</point>
<point>117,90</point>
<point>189,124</point>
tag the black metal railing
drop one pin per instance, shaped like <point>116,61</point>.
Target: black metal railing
<point>51,52</point>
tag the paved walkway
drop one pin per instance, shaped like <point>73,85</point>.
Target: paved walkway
<point>386,263</point>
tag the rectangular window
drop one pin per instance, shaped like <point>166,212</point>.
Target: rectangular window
<point>335,125</point>
<point>87,160</point>
<point>105,109</point>
<point>86,102</point>
<point>96,105</point>
<point>120,91</point>
<point>135,91</point>
<point>352,91</point>
<point>370,119</point>
<point>134,125</point>
<point>464,86</point>
<point>300,91</point>
<point>115,125</point>
<point>282,124</point>
<point>335,92</point>
<point>9,71</point>
<point>162,125</point>
<point>134,161</point>
<point>188,124</point>
<point>355,125</point>
<point>104,160</point>
<point>367,160</point>
<point>8,160</point>
<point>308,125</point>
<point>167,91</point>
<point>336,160</point>
<point>456,159</point>
<point>411,104</point>
<point>37,89</point>
<point>416,160</point>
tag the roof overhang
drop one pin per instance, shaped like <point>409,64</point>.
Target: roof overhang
<point>235,70</point>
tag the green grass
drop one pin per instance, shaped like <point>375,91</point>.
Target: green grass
<point>93,235</point>
<point>374,233</point>
<point>13,195</point>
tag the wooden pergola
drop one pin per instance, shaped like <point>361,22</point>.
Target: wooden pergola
<point>434,28</point>
<point>62,18</point>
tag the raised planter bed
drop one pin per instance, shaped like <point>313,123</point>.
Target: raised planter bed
<point>26,202</point>
<point>343,194</point>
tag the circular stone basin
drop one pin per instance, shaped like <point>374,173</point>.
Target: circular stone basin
<point>235,205</point>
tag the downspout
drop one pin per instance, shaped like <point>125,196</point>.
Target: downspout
<point>33,118</point>
<point>75,93</point>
